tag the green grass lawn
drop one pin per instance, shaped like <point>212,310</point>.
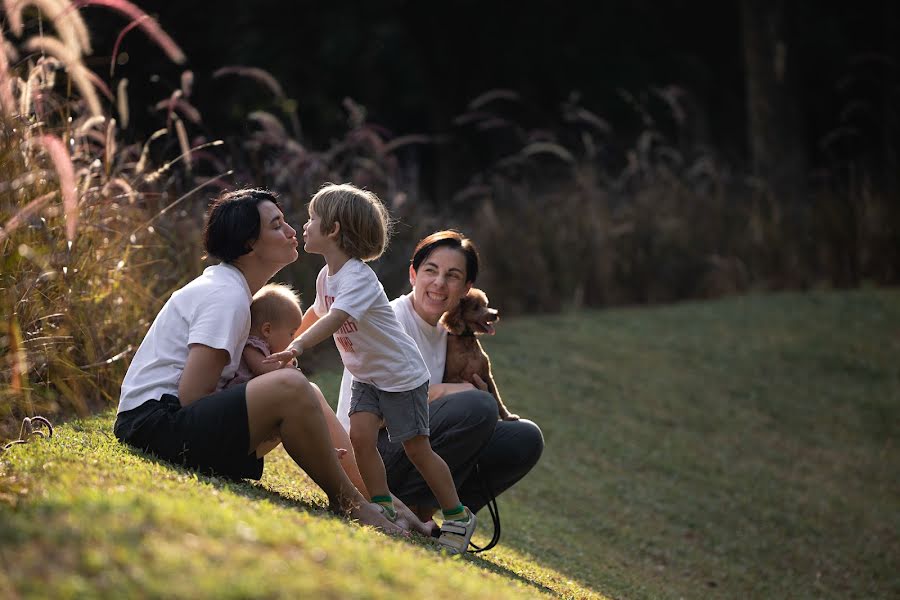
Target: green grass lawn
<point>746,448</point>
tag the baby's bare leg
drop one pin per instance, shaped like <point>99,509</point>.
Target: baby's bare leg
<point>433,469</point>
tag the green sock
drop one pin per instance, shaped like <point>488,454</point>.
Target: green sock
<point>388,503</point>
<point>456,514</point>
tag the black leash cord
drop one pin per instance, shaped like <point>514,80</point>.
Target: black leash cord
<point>492,508</point>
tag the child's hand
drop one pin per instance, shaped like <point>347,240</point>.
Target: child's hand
<point>287,355</point>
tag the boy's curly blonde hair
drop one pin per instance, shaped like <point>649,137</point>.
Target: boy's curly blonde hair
<point>365,222</point>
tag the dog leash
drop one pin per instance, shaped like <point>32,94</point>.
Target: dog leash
<point>29,430</point>
<point>492,508</point>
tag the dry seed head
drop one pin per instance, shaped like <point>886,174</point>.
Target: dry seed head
<point>77,71</point>
<point>65,18</point>
<point>122,101</point>
<point>12,54</point>
<point>123,185</point>
<point>269,123</point>
<point>187,83</point>
<point>183,142</point>
<point>114,55</point>
<point>89,123</point>
<point>7,101</point>
<point>110,145</point>
<point>147,23</point>
<point>145,153</point>
<point>23,214</point>
<point>24,87</point>
<point>66,173</point>
<point>85,176</point>
<point>264,77</point>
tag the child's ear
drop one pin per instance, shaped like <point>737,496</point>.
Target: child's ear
<point>335,231</point>
<point>266,329</point>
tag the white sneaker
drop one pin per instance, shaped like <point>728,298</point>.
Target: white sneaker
<point>455,535</point>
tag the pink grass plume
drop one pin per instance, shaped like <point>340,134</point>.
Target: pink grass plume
<point>66,173</point>
<point>25,213</point>
<point>121,36</point>
<point>145,22</point>
<point>7,102</point>
<point>260,75</point>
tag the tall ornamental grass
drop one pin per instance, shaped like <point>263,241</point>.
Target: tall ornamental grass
<point>94,234</point>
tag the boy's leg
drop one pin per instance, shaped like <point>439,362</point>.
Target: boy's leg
<point>433,470</point>
<point>461,426</point>
<point>459,522</point>
<point>364,428</point>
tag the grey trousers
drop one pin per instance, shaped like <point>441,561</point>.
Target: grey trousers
<point>465,431</point>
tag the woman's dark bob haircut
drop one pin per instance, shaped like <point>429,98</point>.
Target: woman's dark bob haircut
<point>448,238</point>
<point>232,223</point>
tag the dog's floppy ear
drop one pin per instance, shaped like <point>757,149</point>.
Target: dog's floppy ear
<point>453,320</point>
<point>477,296</point>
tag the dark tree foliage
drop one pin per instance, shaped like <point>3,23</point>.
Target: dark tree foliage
<point>416,65</point>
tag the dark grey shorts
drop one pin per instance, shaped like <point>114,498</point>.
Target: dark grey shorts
<point>405,414</point>
<point>210,435</point>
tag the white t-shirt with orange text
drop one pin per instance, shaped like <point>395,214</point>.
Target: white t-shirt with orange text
<point>373,346</point>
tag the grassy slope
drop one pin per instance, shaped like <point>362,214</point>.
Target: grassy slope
<point>743,448</point>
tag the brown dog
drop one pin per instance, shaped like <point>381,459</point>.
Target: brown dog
<point>466,359</point>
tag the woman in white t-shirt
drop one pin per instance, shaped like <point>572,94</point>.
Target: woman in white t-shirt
<point>172,402</point>
<point>486,456</point>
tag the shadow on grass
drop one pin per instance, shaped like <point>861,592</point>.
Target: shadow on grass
<point>253,490</point>
<point>485,564</point>
<point>257,491</point>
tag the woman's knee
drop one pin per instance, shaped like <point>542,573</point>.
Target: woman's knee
<point>287,388</point>
<point>522,441</point>
<point>531,441</point>
<point>480,405</point>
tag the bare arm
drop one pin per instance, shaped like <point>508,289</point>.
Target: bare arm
<point>254,359</point>
<point>323,329</point>
<point>309,319</point>
<point>202,370</point>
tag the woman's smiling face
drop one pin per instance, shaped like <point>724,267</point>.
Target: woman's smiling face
<point>439,283</point>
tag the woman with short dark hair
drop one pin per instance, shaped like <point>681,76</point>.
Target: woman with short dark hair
<point>485,455</point>
<point>172,402</point>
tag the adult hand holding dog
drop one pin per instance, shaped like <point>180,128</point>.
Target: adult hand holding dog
<point>478,382</point>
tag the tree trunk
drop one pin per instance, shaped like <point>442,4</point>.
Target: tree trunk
<point>778,153</point>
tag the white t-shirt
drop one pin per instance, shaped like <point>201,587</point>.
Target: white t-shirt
<point>213,310</point>
<point>373,346</point>
<point>430,339</point>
